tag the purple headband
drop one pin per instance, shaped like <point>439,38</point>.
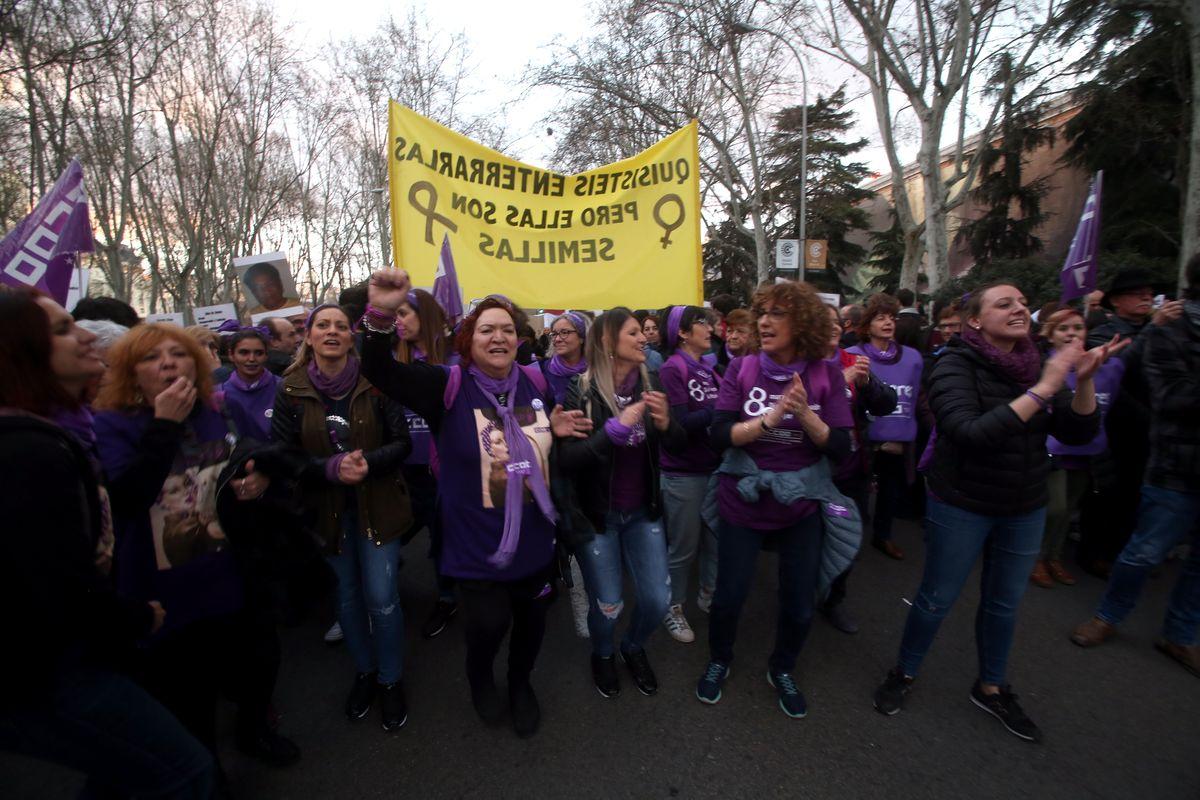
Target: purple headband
<point>231,326</point>
<point>674,317</point>
<point>411,297</point>
<point>313,314</point>
<point>577,320</point>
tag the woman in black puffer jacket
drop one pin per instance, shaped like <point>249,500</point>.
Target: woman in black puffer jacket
<point>994,405</point>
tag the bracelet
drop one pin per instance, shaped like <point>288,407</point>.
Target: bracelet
<point>763,421</point>
<point>1041,401</point>
<point>383,322</point>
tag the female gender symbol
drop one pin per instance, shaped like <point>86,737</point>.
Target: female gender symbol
<point>668,227</point>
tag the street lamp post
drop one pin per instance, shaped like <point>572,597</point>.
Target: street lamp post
<point>743,28</point>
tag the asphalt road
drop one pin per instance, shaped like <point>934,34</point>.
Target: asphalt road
<point>1121,721</point>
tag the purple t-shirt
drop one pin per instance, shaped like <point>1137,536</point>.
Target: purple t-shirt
<point>690,383</point>
<point>1107,382</point>
<point>473,488</point>
<point>903,375</point>
<point>786,448</point>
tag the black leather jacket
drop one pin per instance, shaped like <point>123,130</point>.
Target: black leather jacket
<point>584,466</point>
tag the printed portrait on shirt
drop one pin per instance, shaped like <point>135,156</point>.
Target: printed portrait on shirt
<point>183,520</point>
<point>495,455</point>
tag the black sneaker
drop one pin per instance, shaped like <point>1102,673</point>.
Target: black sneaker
<point>526,714</point>
<point>395,710</point>
<point>439,619</point>
<point>269,747</point>
<point>889,697</point>
<point>361,694</point>
<point>708,689</point>
<point>639,668</point>
<point>1004,707</point>
<point>790,698</point>
<point>604,673</point>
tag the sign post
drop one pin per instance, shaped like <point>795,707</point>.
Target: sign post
<point>787,255</point>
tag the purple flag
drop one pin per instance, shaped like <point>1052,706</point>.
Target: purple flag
<point>445,285</point>
<point>1078,275</point>
<point>40,252</point>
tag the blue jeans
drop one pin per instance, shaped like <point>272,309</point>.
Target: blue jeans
<point>954,538</point>
<point>631,539</point>
<point>687,535</point>
<point>799,558</point>
<point>1165,518</point>
<point>369,601</point>
<point>107,727</point>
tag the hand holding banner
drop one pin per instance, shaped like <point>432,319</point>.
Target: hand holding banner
<point>626,233</point>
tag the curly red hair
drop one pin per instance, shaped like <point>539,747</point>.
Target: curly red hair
<point>466,331</point>
<point>121,392</point>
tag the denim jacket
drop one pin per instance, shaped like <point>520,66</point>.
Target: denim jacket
<point>839,514</point>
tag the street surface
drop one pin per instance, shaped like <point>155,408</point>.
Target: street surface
<point>1121,721</point>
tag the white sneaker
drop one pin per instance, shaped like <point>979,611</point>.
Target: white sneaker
<point>334,634</point>
<point>677,625</point>
<point>704,599</point>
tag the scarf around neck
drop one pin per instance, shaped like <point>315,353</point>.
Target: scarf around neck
<point>80,423</point>
<point>522,463</point>
<point>781,373</point>
<point>338,385</point>
<point>561,369</point>
<point>1022,365</point>
<point>889,356</point>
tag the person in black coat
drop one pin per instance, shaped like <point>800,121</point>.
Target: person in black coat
<point>994,405</point>
<point>62,698</point>
<point>1170,496</point>
<point>613,481</point>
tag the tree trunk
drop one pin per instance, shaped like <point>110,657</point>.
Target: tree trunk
<point>1188,243</point>
<point>914,251</point>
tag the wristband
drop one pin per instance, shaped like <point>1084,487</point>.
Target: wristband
<point>1041,401</point>
<point>766,428</point>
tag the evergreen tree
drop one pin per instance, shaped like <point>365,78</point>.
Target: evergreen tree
<point>887,257</point>
<point>1134,123</point>
<point>833,183</point>
<point>729,264</point>
<point>1001,233</point>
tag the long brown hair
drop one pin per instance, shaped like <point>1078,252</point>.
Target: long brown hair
<point>121,392</point>
<point>27,381</point>
<point>432,336</point>
<point>304,354</point>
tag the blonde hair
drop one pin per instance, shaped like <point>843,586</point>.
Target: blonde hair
<point>121,391</point>
<point>599,352</point>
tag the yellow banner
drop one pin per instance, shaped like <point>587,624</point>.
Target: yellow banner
<point>624,234</point>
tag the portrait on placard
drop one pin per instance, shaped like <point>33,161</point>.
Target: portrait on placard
<point>269,285</point>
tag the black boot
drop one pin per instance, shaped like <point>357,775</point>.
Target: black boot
<point>526,714</point>
<point>395,710</point>
<point>486,699</point>
<point>361,694</point>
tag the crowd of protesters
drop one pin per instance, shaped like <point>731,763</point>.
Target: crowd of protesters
<point>173,495</point>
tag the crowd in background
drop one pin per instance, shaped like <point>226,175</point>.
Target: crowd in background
<point>172,496</point>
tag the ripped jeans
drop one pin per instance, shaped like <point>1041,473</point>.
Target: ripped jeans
<point>640,544</point>
<point>369,601</point>
<point>954,539</point>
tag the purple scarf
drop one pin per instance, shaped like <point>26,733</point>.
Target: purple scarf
<point>889,356</point>
<point>561,369</point>
<point>781,373</point>
<point>1023,365</point>
<point>522,462</point>
<point>80,423</point>
<point>339,385</point>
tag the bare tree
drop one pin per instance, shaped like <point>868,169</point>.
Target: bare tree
<point>926,52</point>
<point>652,66</point>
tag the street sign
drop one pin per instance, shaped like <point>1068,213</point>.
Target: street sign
<point>787,255</point>
<point>816,254</point>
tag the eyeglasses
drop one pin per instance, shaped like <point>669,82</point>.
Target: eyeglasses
<point>561,334</point>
